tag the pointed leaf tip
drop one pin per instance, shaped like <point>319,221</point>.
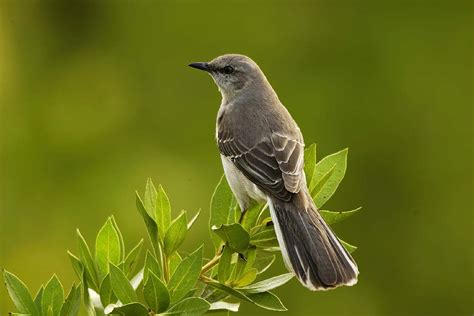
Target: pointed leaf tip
<point>332,217</point>
<point>310,164</point>
<point>107,248</point>
<point>329,173</point>
<point>350,248</point>
<point>53,296</point>
<point>87,261</point>
<point>150,223</point>
<point>175,234</point>
<point>163,211</point>
<point>193,220</point>
<point>19,294</point>
<point>121,285</point>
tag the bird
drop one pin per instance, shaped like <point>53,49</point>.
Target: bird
<point>262,153</point>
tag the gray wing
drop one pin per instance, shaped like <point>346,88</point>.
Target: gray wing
<point>274,164</point>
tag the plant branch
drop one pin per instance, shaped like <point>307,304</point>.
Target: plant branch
<point>213,262</point>
<point>166,269</point>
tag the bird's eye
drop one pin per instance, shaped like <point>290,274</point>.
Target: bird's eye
<point>228,70</point>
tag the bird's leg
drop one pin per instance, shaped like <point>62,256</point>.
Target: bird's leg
<point>242,215</point>
<point>243,209</point>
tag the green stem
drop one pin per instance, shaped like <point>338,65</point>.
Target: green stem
<point>166,269</point>
<point>213,262</point>
<point>206,279</point>
<point>164,264</point>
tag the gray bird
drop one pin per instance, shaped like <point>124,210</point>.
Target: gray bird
<point>262,152</point>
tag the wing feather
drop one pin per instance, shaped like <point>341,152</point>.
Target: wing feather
<point>274,164</point>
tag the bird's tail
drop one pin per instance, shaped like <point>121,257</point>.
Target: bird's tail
<point>309,248</point>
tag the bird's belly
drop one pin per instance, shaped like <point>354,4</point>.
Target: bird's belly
<point>243,189</point>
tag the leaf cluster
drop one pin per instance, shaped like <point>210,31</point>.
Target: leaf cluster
<point>169,281</point>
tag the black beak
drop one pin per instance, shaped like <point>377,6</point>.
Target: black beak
<point>202,66</point>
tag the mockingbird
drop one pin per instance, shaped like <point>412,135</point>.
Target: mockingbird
<point>262,152</point>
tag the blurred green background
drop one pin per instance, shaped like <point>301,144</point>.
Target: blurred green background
<point>95,96</point>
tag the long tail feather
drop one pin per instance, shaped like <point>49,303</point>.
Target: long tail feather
<point>309,247</point>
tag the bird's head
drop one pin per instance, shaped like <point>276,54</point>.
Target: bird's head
<point>232,73</point>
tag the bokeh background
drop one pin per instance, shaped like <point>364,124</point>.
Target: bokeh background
<point>95,96</point>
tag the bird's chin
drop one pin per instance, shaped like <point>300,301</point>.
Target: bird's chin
<point>219,83</point>
<point>225,88</point>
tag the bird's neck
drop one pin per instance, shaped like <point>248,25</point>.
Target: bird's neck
<point>254,91</point>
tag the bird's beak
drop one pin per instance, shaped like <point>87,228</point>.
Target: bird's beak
<point>202,66</point>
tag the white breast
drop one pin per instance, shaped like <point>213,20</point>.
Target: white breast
<point>243,189</point>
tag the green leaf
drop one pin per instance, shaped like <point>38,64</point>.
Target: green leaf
<point>193,220</point>
<point>85,294</point>
<point>151,264</point>
<point>150,224</point>
<point>132,259</point>
<point>263,261</point>
<point>72,303</point>
<point>190,306</point>
<point>268,284</point>
<point>310,164</point>
<point>121,285</point>
<point>266,300</point>
<point>107,248</point>
<point>175,234</point>
<point>19,294</point>
<point>174,261</point>
<point>156,294</point>
<point>272,249</point>
<point>222,305</point>
<point>229,290</point>
<point>224,270</point>
<point>76,265</point>
<point>350,248</point>
<point>158,207</point>
<point>149,199</point>
<point>250,256</point>
<point>338,163</point>
<point>106,292</point>
<point>87,261</point>
<point>122,244</point>
<point>264,213</point>
<point>190,293</point>
<point>321,181</point>
<point>235,235</point>
<point>53,296</point>
<point>38,298</point>
<point>247,277</point>
<point>223,208</point>
<point>266,222</point>
<point>131,309</point>
<point>163,211</point>
<point>239,267</point>
<point>334,217</point>
<point>186,275</point>
<point>251,215</point>
<point>265,238</point>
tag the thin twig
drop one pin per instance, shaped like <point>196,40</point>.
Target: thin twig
<point>211,263</point>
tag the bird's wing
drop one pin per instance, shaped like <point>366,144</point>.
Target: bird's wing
<point>274,164</point>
